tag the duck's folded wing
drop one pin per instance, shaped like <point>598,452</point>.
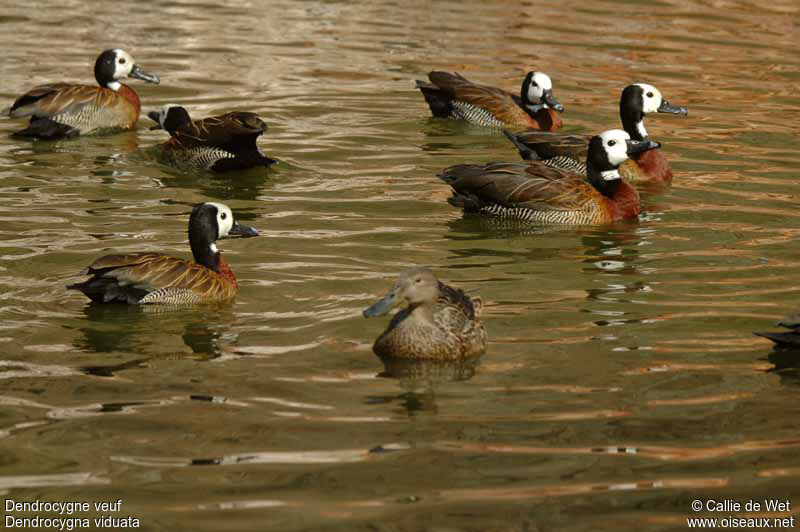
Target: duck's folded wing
<point>517,185</point>
<point>549,145</point>
<point>231,131</point>
<point>46,101</point>
<point>495,100</point>
<point>155,271</point>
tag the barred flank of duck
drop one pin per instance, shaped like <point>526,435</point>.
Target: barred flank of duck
<point>453,96</point>
<point>536,192</point>
<point>141,278</point>
<point>218,143</point>
<point>568,151</point>
<point>62,110</point>
<point>440,322</point>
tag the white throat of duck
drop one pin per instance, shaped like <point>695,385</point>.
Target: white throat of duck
<point>608,175</point>
<point>114,85</point>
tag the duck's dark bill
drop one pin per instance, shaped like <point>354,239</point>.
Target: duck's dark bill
<point>138,73</point>
<point>381,307</point>
<point>550,100</point>
<point>667,107</point>
<point>242,230</point>
<point>638,146</point>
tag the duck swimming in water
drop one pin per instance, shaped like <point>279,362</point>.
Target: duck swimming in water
<point>219,143</point>
<point>534,192</point>
<point>140,278</point>
<point>569,151</point>
<point>453,96</point>
<point>62,110</point>
<point>440,322</point>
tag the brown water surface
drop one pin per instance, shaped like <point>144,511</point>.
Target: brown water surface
<point>621,381</point>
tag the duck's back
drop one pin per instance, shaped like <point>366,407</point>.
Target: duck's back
<point>85,108</point>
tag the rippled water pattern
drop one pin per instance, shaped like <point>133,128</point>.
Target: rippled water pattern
<point>622,380</point>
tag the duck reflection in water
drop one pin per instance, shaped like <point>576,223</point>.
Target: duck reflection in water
<point>786,349</point>
<point>145,329</point>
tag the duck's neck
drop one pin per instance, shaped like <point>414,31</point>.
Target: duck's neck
<point>421,312</point>
<point>633,123</point>
<point>606,181</point>
<point>206,254</point>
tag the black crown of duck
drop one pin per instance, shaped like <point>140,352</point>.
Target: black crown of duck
<point>218,143</point>
<point>569,151</point>
<point>453,96</point>
<point>440,322</point>
<point>62,110</point>
<point>140,278</point>
<point>535,192</point>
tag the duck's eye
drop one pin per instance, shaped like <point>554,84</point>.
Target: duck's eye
<point>650,94</point>
<point>534,84</point>
<point>121,60</point>
<point>224,215</point>
<point>418,280</point>
<point>612,142</point>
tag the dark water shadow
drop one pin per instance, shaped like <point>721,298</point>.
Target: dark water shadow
<point>135,329</point>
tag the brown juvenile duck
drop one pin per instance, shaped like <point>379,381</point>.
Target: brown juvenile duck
<point>453,96</point>
<point>60,110</point>
<point>569,151</point>
<point>140,278</point>
<point>439,322</point>
<point>218,143</point>
<point>535,192</point>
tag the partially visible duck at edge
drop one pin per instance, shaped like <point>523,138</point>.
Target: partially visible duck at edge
<point>63,110</point>
<point>453,96</point>
<point>142,278</point>
<point>537,193</point>
<point>569,151</point>
<point>440,322</point>
<point>219,143</point>
<point>788,339</point>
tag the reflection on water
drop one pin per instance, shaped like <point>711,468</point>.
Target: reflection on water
<point>621,372</point>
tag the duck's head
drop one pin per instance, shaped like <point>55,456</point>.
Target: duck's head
<point>208,223</point>
<point>641,99</point>
<point>116,64</point>
<point>418,286</point>
<point>170,118</point>
<point>607,151</point>
<point>537,93</point>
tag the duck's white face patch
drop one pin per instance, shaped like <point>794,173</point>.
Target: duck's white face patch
<point>651,98</point>
<point>123,64</point>
<point>224,219</point>
<point>540,82</point>
<point>162,114</point>
<point>616,146</point>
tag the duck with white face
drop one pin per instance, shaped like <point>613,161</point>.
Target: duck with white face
<point>641,99</point>
<point>537,93</point>
<point>569,152</point>
<point>63,110</point>
<point>533,192</point>
<point>156,278</point>
<point>457,98</point>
